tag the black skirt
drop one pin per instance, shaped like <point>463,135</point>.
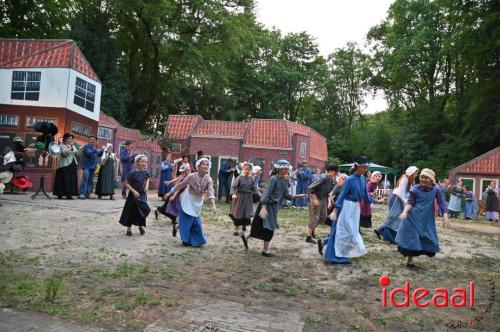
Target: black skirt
<point>365,221</point>
<point>408,252</point>
<point>258,231</point>
<point>240,222</point>
<point>131,214</point>
<point>66,181</point>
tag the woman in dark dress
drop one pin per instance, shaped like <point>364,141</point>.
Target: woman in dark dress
<point>265,221</point>
<point>243,190</point>
<point>136,207</point>
<point>106,177</point>
<point>492,202</point>
<point>66,180</point>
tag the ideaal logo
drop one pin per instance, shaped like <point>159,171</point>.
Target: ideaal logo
<point>422,297</point>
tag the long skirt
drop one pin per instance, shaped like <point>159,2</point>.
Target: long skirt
<point>66,181</point>
<point>455,203</point>
<point>191,229</point>
<point>105,179</point>
<point>390,226</point>
<point>365,220</point>
<point>171,209</point>
<point>348,241</point>
<point>258,231</point>
<point>469,210</point>
<point>241,210</point>
<point>131,215</point>
<point>329,243</point>
<point>491,215</point>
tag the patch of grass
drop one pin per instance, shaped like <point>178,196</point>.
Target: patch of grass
<point>142,298</point>
<point>315,322</point>
<point>124,305</point>
<point>335,294</point>
<point>52,287</point>
<point>290,291</point>
<point>172,274</point>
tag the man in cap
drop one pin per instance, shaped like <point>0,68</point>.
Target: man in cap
<point>90,156</point>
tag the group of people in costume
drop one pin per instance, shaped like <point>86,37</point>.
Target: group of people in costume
<point>66,179</point>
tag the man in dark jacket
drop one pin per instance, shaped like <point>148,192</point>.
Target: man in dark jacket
<point>225,174</point>
<point>127,161</point>
<point>89,160</point>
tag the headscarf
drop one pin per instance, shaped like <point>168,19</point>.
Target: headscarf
<point>184,168</point>
<point>199,161</point>
<point>138,158</point>
<point>105,153</point>
<point>429,173</point>
<point>411,170</point>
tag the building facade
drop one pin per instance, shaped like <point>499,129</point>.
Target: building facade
<point>261,141</point>
<point>478,172</point>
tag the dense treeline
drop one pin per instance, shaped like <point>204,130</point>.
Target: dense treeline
<point>436,62</point>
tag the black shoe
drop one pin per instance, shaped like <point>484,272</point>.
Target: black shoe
<point>185,244</point>
<point>69,197</point>
<point>267,254</point>
<point>59,197</point>
<point>310,240</point>
<point>244,228</point>
<point>236,233</point>
<point>379,235</point>
<point>320,247</point>
<point>156,214</point>
<point>129,233</point>
<point>142,231</point>
<point>174,229</point>
<point>245,242</point>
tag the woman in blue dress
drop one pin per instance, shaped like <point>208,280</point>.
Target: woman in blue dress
<point>469,212</point>
<point>417,234</point>
<point>397,202</point>
<point>167,171</point>
<point>345,240</point>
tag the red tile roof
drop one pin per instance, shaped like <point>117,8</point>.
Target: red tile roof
<point>215,128</point>
<point>179,127</point>
<point>318,147</point>
<point>296,128</point>
<point>44,53</point>
<point>267,134</point>
<point>487,163</point>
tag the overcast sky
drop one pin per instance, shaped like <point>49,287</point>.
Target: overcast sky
<point>331,22</point>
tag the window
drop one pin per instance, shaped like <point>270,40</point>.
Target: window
<point>158,159</point>
<point>80,129</point>
<point>25,85</point>
<point>175,147</point>
<point>30,121</point>
<point>104,133</point>
<point>9,120</point>
<point>303,149</point>
<point>84,94</point>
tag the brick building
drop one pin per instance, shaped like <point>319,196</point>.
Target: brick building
<point>50,80</point>
<point>478,172</point>
<point>261,141</point>
<point>45,80</point>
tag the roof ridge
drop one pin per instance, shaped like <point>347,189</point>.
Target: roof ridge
<point>72,60</point>
<point>474,160</point>
<point>37,53</point>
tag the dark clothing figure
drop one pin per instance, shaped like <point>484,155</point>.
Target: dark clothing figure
<point>225,177</point>
<point>134,209</point>
<point>127,160</point>
<point>105,179</point>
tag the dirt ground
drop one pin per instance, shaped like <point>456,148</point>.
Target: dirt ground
<point>79,265</point>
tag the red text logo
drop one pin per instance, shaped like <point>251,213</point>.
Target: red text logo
<point>422,297</point>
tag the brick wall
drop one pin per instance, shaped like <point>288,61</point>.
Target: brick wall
<point>215,146</point>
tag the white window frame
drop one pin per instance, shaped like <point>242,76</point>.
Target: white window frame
<point>9,121</point>
<point>489,180</point>
<point>88,95</point>
<point>26,82</point>
<point>473,189</point>
<point>34,120</point>
<point>105,129</point>
<point>303,148</point>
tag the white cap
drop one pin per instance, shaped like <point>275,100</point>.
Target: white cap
<point>411,170</point>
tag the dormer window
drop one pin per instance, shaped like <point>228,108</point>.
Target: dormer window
<point>84,94</point>
<point>25,85</point>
